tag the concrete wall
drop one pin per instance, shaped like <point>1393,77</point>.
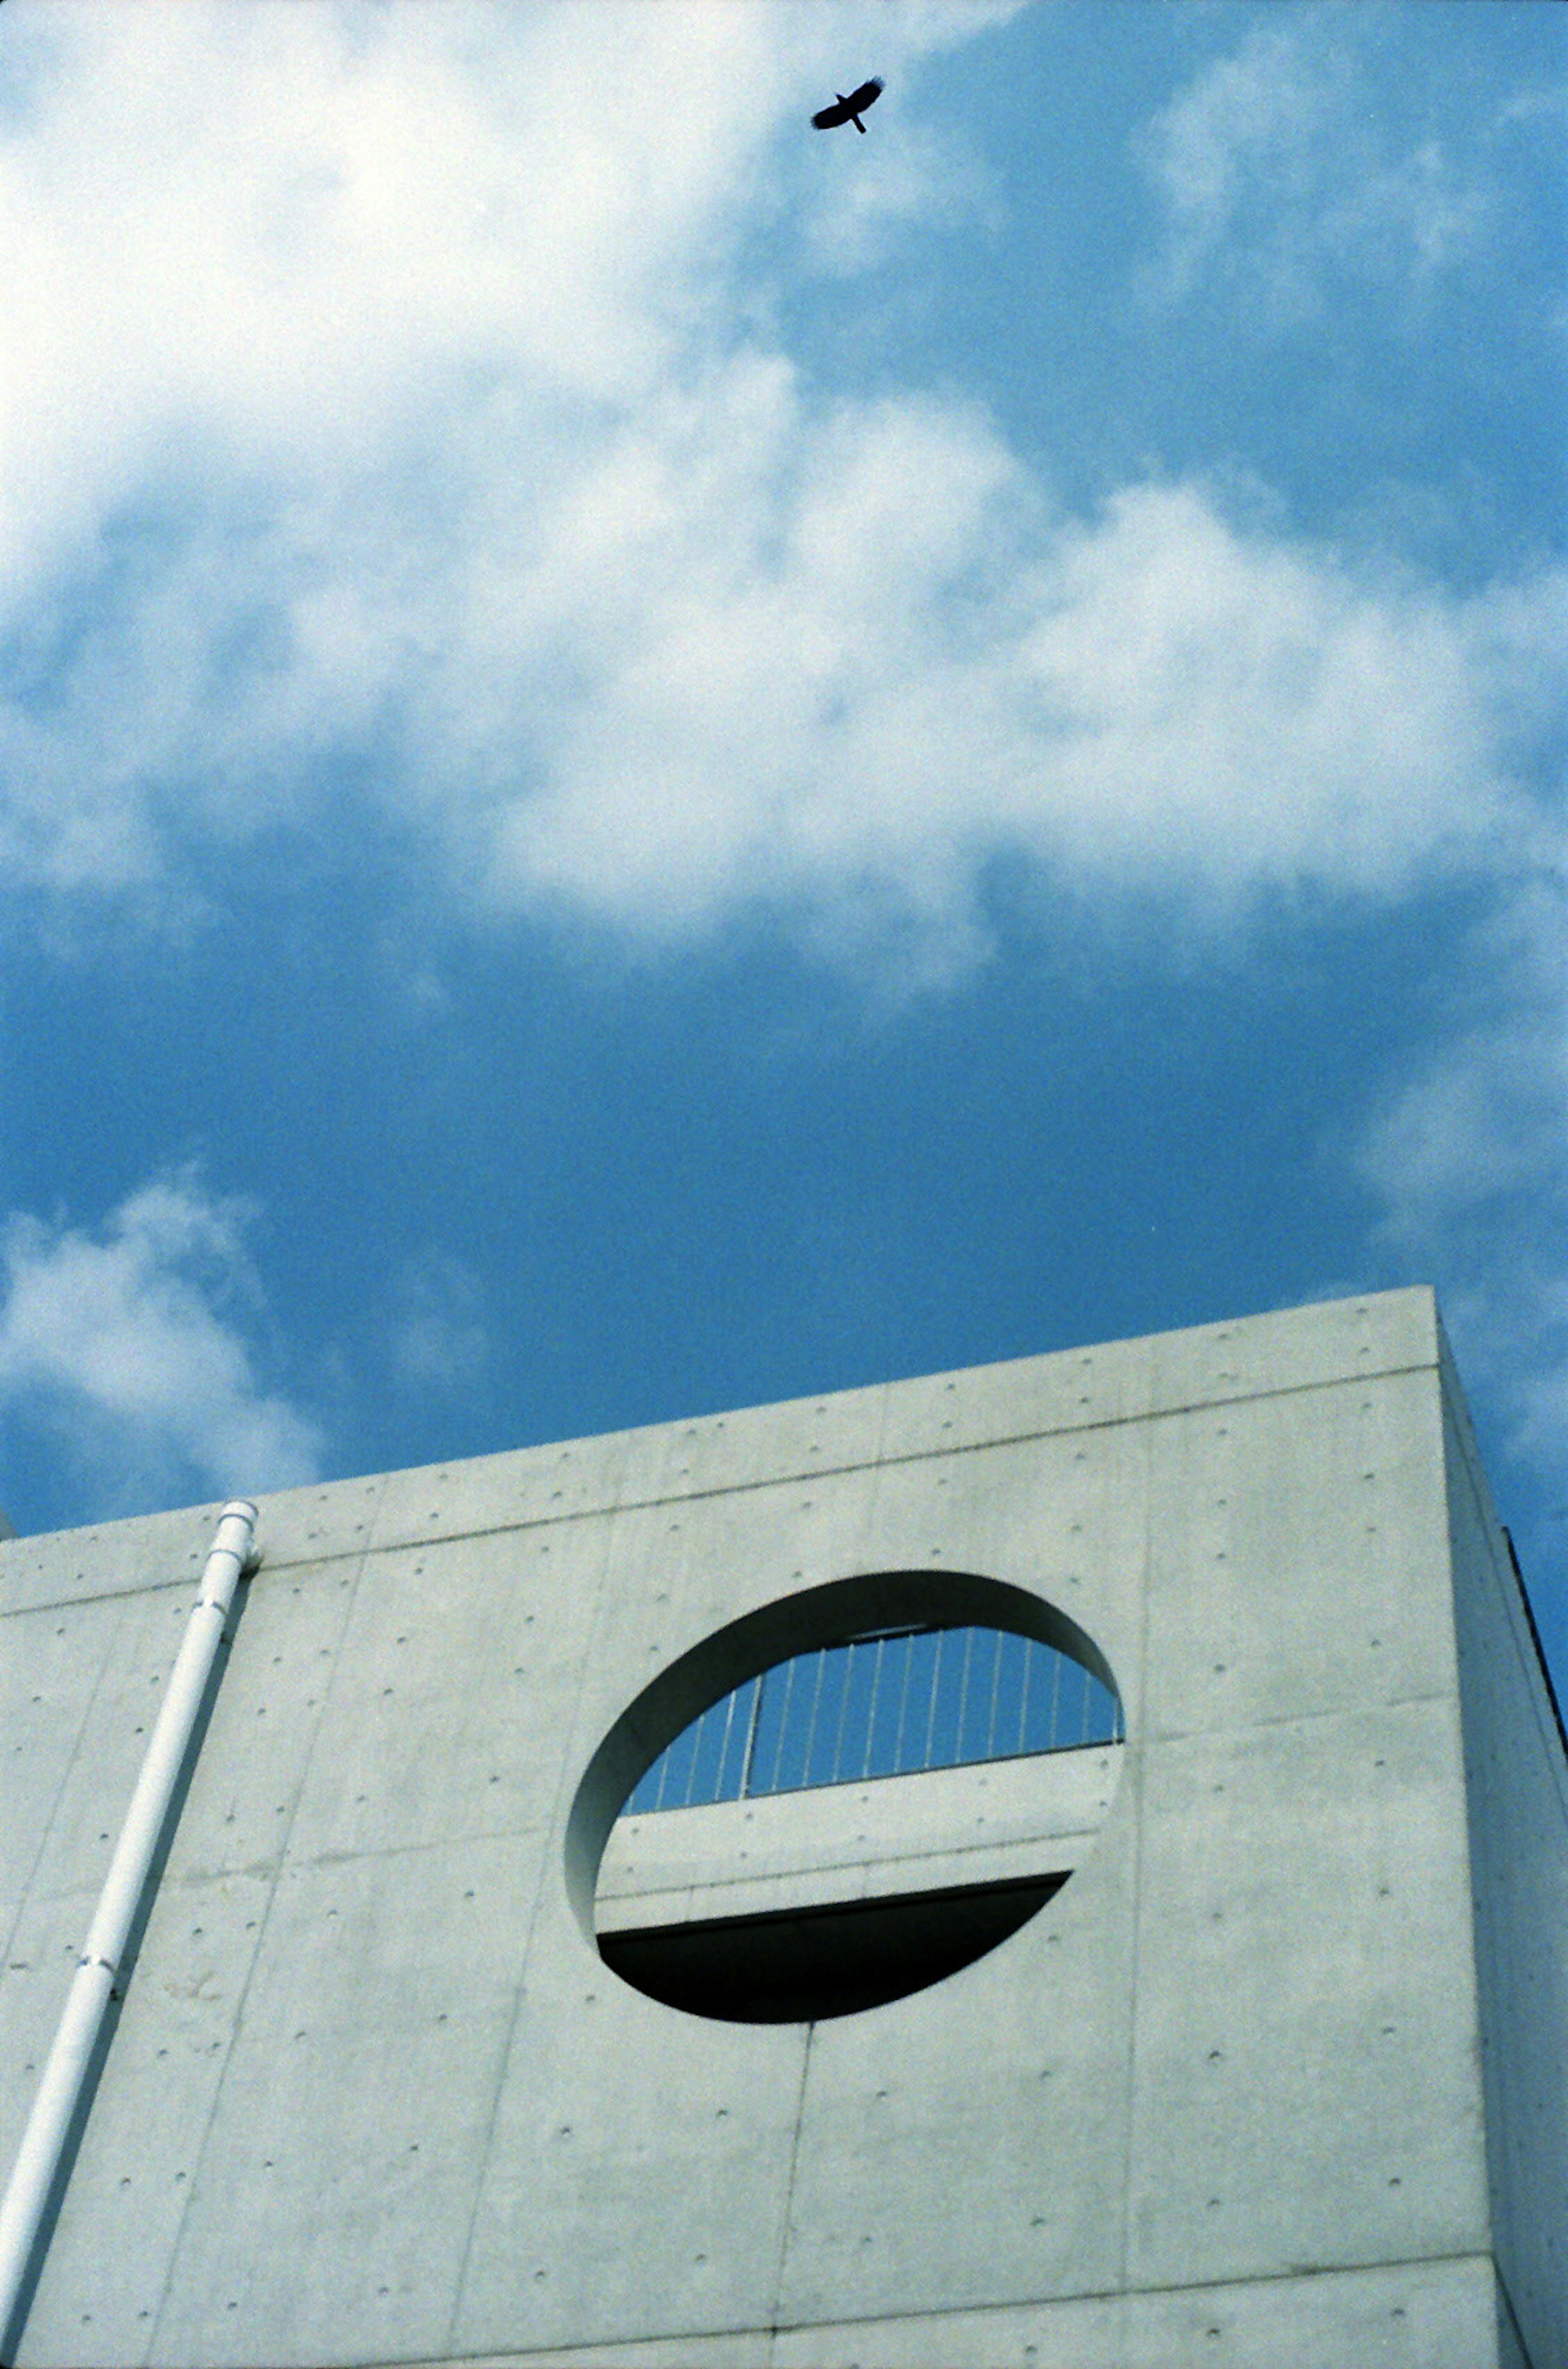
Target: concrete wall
<point>375,2097</point>
<point>1517,1788</point>
<point>987,1823</point>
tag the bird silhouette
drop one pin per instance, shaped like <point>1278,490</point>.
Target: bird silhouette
<point>849,110</point>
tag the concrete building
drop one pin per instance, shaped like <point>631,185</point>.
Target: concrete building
<point>1240,2041</point>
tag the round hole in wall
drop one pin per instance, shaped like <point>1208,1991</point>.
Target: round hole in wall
<point>845,1796</point>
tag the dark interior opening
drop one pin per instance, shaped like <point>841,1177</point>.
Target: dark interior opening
<point>800,1965</point>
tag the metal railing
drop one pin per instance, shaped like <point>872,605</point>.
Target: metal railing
<point>882,1706</point>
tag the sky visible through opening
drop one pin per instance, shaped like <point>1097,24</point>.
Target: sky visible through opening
<point>884,1705</point>
<point>652,761</point>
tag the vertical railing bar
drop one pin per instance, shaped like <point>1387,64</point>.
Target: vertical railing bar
<point>848,1653</point>
<point>768,1779</point>
<point>981,1700</point>
<point>726,1756</point>
<point>1030,1650</point>
<point>730,1702</point>
<point>695,1733</point>
<point>931,1706</point>
<point>748,1745</point>
<point>964,1693</point>
<point>871,1709</point>
<point>790,1668</point>
<point>996,1644</point>
<point>812,1722</point>
<point>903,1705</point>
<point>749,1766</point>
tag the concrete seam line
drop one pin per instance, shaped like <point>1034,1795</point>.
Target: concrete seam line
<point>38,2158</point>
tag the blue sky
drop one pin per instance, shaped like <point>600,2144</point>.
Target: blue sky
<point>650,761</point>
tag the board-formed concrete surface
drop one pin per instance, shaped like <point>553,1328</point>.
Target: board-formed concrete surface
<point>1275,2080</point>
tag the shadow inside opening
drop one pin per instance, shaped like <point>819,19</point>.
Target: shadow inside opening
<point>802,1965</point>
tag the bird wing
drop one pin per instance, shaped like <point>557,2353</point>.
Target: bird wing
<point>829,118</point>
<point>864,95</point>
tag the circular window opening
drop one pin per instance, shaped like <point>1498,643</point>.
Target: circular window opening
<point>844,1797</point>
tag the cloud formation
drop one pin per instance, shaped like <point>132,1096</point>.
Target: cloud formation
<point>129,1348</point>
<point>438,1340</point>
<point>1467,1160</point>
<point>1282,183</point>
<point>463,449</point>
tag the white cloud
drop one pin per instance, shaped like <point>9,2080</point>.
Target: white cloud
<point>1473,1127</point>
<point>130,1347</point>
<point>847,665</point>
<point>1469,1162</point>
<point>439,1340</point>
<point>1281,177</point>
<point>371,394</point>
<point>1489,1112</point>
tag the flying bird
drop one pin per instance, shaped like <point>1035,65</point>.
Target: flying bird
<point>849,110</point>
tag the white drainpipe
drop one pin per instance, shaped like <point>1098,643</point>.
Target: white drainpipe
<point>95,1983</point>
